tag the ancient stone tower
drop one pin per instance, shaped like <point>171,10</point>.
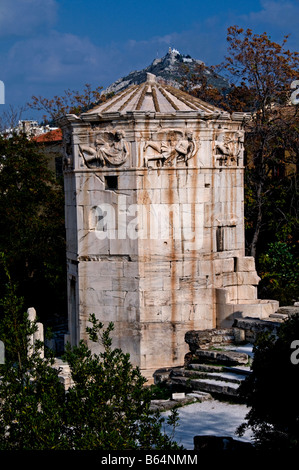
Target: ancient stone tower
<point>154,221</point>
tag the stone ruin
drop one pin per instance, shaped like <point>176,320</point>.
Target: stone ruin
<point>154,222</point>
<point>38,335</point>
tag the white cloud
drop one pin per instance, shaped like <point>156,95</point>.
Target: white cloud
<point>24,17</point>
<point>45,61</point>
<point>52,58</point>
<point>281,16</point>
<point>200,41</point>
<point>50,63</point>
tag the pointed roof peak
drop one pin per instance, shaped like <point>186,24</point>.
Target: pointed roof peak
<point>153,95</point>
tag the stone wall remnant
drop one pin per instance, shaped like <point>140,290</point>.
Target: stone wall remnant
<point>38,335</point>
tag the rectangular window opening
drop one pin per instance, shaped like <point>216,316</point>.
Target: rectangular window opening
<point>111,182</point>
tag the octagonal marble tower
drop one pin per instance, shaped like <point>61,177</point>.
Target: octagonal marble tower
<point>154,221</point>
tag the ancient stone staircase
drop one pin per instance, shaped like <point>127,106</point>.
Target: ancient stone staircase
<point>217,372</point>
<point>219,359</point>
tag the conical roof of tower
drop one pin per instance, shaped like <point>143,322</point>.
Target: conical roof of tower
<point>153,96</point>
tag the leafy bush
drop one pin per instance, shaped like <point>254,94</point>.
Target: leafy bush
<point>32,228</point>
<point>109,407</point>
<point>279,271</point>
<point>271,391</point>
<point>106,408</point>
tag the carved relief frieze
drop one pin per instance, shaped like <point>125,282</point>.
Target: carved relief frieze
<point>229,148</point>
<point>169,148</point>
<point>108,149</point>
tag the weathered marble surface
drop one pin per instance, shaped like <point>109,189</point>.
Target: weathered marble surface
<point>155,224</point>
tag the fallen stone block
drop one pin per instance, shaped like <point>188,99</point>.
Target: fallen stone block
<point>292,310</point>
<point>254,326</point>
<point>164,405</point>
<point>178,396</point>
<point>202,339</point>
<point>221,357</point>
<point>200,396</point>
<point>210,386</point>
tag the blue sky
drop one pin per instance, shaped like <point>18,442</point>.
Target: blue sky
<point>48,46</point>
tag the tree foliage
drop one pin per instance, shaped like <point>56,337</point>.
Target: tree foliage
<point>32,233</point>
<point>262,67</point>
<point>71,102</point>
<point>263,71</point>
<point>30,392</point>
<point>279,271</point>
<point>10,118</point>
<point>107,406</point>
<point>271,391</point>
<point>197,84</point>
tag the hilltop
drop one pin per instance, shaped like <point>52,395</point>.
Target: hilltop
<point>174,68</point>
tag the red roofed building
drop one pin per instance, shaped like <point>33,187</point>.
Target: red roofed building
<point>52,145</point>
<point>49,137</point>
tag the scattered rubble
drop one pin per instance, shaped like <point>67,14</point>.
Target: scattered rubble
<point>175,402</point>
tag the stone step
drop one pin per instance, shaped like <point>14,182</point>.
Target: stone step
<point>200,395</point>
<point>256,324</point>
<point>245,348</point>
<point>216,386</point>
<point>242,370</point>
<point>220,375</point>
<point>189,398</point>
<point>214,371</point>
<point>218,372</point>
<point>211,386</point>
<point>278,316</point>
<point>224,357</point>
<point>205,367</point>
<point>205,339</point>
<point>227,377</point>
<point>289,311</point>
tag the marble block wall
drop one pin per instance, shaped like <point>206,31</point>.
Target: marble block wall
<point>155,228</point>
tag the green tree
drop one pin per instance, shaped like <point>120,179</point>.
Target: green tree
<point>31,395</point>
<point>107,406</point>
<point>271,391</point>
<point>262,71</point>
<point>32,232</point>
<point>71,102</point>
<point>279,271</point>
<point>10,118</point>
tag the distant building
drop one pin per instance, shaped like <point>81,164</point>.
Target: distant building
<point>47,137</point>
<point>51,142</point>
<point>28,127</point>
